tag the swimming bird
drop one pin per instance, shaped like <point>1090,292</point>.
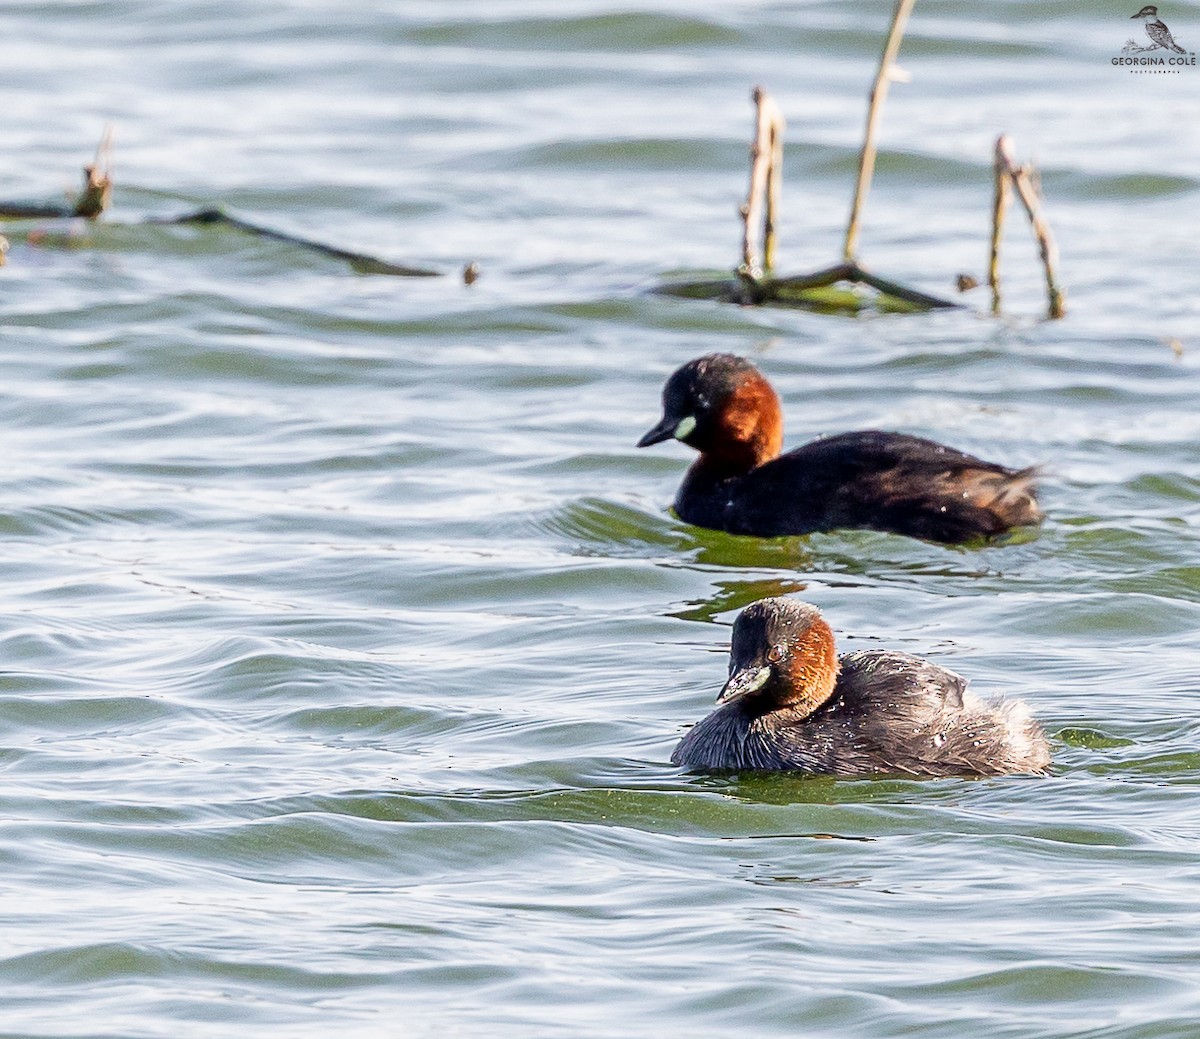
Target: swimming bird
<point>721,405</point>
<point>791,704</point>
<point>1159,34</point>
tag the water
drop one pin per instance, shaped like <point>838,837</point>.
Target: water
<point>345,636</point>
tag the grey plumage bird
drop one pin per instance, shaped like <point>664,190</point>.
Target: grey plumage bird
<point>791,704</point>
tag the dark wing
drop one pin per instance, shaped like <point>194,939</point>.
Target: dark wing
<point>879,679</point>
<point>919,719</point>
<point>889,481</point>
<point>888,714</point>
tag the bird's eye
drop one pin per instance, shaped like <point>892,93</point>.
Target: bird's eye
<point>775,654</point>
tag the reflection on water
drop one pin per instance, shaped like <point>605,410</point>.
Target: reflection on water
<point>730,596</point>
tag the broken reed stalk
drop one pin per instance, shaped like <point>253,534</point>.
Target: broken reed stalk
<point>1022,178</point>
<point>766,177</point>
<point>97,181</point>
<point>887,73</point>
<point>1001,197</point>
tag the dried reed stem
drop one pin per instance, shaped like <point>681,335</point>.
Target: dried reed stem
<point>97,180</point>
<point>866,161</point>
<point>1001,197</point>
<point>1022,178</point>
<point>766,177</point>
<point>774,184</point>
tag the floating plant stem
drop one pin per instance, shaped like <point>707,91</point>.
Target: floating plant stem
<point>360,262</point>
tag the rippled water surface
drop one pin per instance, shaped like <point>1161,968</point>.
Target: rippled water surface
<point>345,636</point>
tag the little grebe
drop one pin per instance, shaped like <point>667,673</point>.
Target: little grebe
<point>722,406</point>
<point>791,704</point>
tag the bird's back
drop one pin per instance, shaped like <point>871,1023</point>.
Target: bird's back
<point>883,481</point>
<point>917,718</point>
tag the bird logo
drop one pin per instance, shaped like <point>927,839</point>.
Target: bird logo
<point>1160,35</point>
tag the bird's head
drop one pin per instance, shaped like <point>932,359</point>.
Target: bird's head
<point>721,405</point>
<point>782,656</point>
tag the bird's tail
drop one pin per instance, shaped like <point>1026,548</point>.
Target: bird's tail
<point>1010,496</point>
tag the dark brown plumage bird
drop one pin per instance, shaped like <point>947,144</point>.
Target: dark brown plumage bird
<point>722,406</point>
